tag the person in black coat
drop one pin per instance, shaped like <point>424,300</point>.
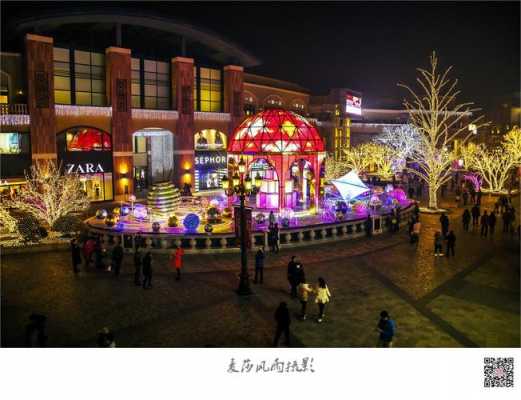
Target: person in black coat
<point>451,243</point>
<point>484,224</point>
<point>444,221</point>
<point>259,266</point>
<point>368,225</point>
<point>76,256</point>
<point>466,220</point>
<point>491,222</point>
<point>283,321</point>
<point>117,258</point>
<point>475,215</point>
<point>147,271</point>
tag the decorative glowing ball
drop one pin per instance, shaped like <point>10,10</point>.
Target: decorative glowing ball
<point>172,221</point>
<point>156,226</point>
<point>208,228</point>
<point>191,222</point>
<point>110,220</point>
<point>140,211</point>
<point>125,210</point>
<point>116,211</point>
<point>101,213</point>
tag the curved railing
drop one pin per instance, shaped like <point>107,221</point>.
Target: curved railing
<point>227,242</point>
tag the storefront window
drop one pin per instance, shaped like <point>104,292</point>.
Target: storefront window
<point>89,75</point>
<point>62,76</point>
<point>210,89</point>
<point>88,152</point>
<point>14,143</point>
<point>87,139</point>
<point>210,159</point>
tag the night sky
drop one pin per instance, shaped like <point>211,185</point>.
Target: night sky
<point>367,47</point>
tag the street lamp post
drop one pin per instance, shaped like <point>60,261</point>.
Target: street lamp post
<point>241,184</point>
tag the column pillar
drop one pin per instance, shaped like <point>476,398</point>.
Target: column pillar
<point>118,79</point>
<point>183,95</point>
<point>40,96</point>
<point>233,95</point>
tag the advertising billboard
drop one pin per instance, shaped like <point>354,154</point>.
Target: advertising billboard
<point>353,104</point>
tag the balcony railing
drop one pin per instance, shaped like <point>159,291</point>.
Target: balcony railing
<point>13,109</point>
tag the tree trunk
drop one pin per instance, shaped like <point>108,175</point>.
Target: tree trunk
<point>433,198</point>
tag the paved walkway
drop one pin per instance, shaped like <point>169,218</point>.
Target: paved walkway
<point>469,300</point>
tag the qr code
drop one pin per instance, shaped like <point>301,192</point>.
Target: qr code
<point>499,372</point>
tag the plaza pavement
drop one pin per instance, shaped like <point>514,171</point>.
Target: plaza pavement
<point>469,300</point>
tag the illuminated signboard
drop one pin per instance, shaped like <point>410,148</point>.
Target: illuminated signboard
<point>353,104</point>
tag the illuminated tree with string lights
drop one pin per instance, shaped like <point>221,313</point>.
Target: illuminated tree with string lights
<point>438,118</point>
<point>50,194</point>
<point>494,165</point>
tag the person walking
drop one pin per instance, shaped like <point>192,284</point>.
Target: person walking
<point>292,275</point>
<point>506,220</point>
<point>271,219</point>
<point>484,224</point>
<point>444,221</point>
<point>304,290</point>
<point>451,243</point>
<point>117,258</point>
<point>283,320</point>
<point>491,222</point>
<point>465,197</point>
<point>368,225</point>
<point>466,220</point>
<point>178,262</point>
<point>475,215</point>
<point>88,251</point>
<point>98,254</point>
<point>147,271</point>
<point>76,256</point>
<point>323,295</point>
<point>478,197</point>
<point>259,266</point>
<point>275,238</point>
<point>438,243</point>
<point>137,266</point>
<point>387,327</point>
<point>416,229</point>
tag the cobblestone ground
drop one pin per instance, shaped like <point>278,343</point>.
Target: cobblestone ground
<point>468,300</point>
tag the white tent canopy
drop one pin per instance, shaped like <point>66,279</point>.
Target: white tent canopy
<point>350,185</point>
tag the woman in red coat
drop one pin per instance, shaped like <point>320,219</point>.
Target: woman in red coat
<point>176,261</point>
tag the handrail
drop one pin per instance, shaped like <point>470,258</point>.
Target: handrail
<point>162,242</point>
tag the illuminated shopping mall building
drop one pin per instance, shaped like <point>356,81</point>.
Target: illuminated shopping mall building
<point>75,90</point>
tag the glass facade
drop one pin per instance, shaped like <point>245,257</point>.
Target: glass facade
<point>88,152</point>
<point>156,85</point>
<point>14,143</point>
<point>210,90</point>
<point>62,76</point>
<point>89,78</point>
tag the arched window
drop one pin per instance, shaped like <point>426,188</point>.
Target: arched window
<point>298,105</point>
<point>87,139</point>
<point>273,101</point>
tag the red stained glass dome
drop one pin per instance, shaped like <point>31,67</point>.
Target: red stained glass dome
<point>275,131</point>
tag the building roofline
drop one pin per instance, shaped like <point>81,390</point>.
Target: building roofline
<point>204,36</point>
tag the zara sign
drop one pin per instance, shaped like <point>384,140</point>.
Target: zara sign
<point>85,168</point>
